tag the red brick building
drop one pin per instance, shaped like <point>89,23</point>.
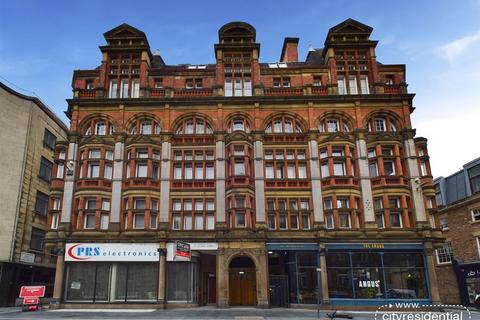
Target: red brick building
<point>291,182</point>
<point>458,261</point>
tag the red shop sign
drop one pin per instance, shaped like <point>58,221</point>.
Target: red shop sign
<point>32,291</point>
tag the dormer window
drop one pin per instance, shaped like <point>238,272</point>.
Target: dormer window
<point>159,83</point>
<point>89,85</point>
<point>276,82</point>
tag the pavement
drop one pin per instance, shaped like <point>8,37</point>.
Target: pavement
<point>202,313</point>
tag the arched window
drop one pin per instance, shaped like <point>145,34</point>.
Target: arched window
<point>334,124</point>
<point>283,124</point>
<point>194,125</point>
<point>145,126</point>
<point>99,127</point>
<point>382,123</point>
<point>238,123</point>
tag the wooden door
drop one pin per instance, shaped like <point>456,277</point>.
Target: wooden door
<point>212,289</point>
<point>242,287</point>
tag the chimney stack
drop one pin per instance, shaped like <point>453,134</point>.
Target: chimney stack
<point>289,50</point>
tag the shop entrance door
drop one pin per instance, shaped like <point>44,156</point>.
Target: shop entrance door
<point>278,290</point>
<point>210,284</point>
<point>242,282</point>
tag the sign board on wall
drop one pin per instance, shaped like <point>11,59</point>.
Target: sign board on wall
<point>27,257</point>
<point>111,252</point>
<point>194,246</point>
<point>182,251</point>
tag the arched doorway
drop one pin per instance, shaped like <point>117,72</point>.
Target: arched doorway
<point>242,282</point>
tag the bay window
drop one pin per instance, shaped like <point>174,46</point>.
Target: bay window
<point>284,214</point>
<point>193,214</point>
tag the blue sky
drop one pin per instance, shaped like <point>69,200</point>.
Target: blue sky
<point>42,42</point>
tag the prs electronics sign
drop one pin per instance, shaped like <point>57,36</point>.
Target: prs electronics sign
<point>111,252</point>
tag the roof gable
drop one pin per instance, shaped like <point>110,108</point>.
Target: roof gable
<point>350,26</point>
<point>124,31</point>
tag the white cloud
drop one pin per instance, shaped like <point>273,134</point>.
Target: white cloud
<point>455,48</point>
<point>452,140</point>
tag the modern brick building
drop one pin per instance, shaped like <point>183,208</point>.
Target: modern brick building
<point>292,182</point>
<point>28,131</point>
<point>458,262</point>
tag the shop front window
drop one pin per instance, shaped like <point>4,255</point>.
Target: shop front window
<point>182,282</point>
<point>93,282</point>
<point>133,285</point>
<point>376,275</point>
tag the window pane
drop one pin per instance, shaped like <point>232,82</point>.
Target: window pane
<point>198,222</point>
<point>339,168</point>
<point>138,221</point>
<point>41,204</point>
<point>325,170</point>
<point>139,204</point>
<point>395,220</point>
<point>210,222</point>
<point>302,171</point>
<point>89,221</point>
<point>108,171</point>
<point>80,283</point>
<point>93,170</point>
<point>104,221</point>
<point>188,172</point>
<point>187,222</point>
<point>240,219</point>
<point>199,172</point>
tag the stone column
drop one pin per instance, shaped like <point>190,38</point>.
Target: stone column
<point>262,280</point>
<point>316,181</point>
<point>165,185</point>
<point>222,279</point>
<point>161,299</point>
<point>116,203</point>
<point>432,276</point>
<point>414,176</point>
<point>69,184</point>
<point>220,181</point>
<point>323,274</point>
<point>365,182</point>
<point>259,183</point>
<point>58,284</point>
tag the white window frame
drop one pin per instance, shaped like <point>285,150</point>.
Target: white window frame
<point>447,251</point>
<point>112,94</point>
<point>399,219</point>
<point>135,88</point>
<point>475,213</point>
<point>86,219</point>
<point>135,215</point>
<point>104,220</point>
<point>329,221</point>
<point>60,170</point>
<point>342,88</point>
<point>54,223</point>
